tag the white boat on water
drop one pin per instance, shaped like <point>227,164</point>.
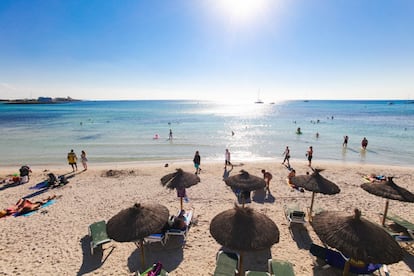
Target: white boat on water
<point>259,101</point>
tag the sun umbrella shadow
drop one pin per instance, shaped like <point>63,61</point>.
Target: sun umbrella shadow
<point>300,235</point>
<point>259,196</point>
<point>257,260</point>
<point>170,255</point>
<point>409,259</point>
<point>95,261</point>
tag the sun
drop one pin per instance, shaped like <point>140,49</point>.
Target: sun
<point>242,10</point>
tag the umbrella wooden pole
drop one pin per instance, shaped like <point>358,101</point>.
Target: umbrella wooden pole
<point>241,271</point>
<point>181,200</point>
<point>311,207</point>
<point>385,212</point>
<point>346,268</point>
<point>141,244</point>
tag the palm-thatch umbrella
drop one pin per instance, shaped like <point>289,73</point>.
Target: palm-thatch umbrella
<point>243,229</point>
<point>389,190</point>
<point>137,222</point>
<point>315,183</point>
<point>357,238</point>
<point>180,180</point>
<point>245,182</point>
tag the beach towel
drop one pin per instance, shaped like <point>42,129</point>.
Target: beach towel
<point>40,185</point>
<point>373,178</point>
<point>50,202</point>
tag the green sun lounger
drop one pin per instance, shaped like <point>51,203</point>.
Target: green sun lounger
<point>279,267</point>
<point>97,231</point>
<point>226,264</point>
<point>256,273</point>
<point>409,227</point>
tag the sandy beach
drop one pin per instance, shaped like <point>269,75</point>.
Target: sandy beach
<point>54,240</point>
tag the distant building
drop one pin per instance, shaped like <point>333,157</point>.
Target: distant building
<point>44,99</point>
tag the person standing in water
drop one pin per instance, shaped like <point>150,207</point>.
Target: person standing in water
<point>345,143</point>
<point>364,143</point>
<point>170,136</point>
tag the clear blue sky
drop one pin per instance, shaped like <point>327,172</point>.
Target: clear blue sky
<point>207,49</point>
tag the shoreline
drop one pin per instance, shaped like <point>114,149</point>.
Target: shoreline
<point>180,162</point>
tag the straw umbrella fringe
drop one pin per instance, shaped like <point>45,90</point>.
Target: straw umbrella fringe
<point>137,222</point>
<point>389,190</point>
<point>243,229</point>
<point>357,238</point>
<point>180,180</point>
<point>315,183</point>
<point>245,182</point>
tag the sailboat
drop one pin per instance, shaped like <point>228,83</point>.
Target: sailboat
<point>259,101</point>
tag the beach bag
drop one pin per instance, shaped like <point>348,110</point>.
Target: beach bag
<point>156,269</point>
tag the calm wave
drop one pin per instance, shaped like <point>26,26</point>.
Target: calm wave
<point>123,131</point>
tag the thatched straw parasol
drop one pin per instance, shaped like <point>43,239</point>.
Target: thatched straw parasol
<point>180,180</point>
<point>137,222</point>
<point>357,238</point>
<point>315,183</point>
<point>389,190</point>
<point>245,182</point>
<point>243,229</point>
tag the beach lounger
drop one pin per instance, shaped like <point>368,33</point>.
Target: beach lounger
<point>188,215</point>
<point>256,273</point>
<point>337,259</point>
<point>405,234</point>
<point>160,237</point>
<point>280,268</point>
<point>97,231</point>
<point>408,226</point>
<point>226,264</point>
<point>294,215</point>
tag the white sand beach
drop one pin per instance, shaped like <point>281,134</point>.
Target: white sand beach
<point>54,240</point>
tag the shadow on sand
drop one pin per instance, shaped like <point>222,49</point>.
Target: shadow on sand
<point>92,262</point>
<point>170,255</point>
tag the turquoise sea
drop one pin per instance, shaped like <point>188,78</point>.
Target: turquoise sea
<point>123,131</point>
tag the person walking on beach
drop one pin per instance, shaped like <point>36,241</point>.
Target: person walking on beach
<point>309,154</point>
<point>84,160</point>
<point>72,159</point>
<point>286,153</point>
<point>345,143</point>
<point>364,143</point>
<point>267,176</point>
<point>227,159</point>
<point>196,161</point>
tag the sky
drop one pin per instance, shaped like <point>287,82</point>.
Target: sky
<point>223,50</point>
